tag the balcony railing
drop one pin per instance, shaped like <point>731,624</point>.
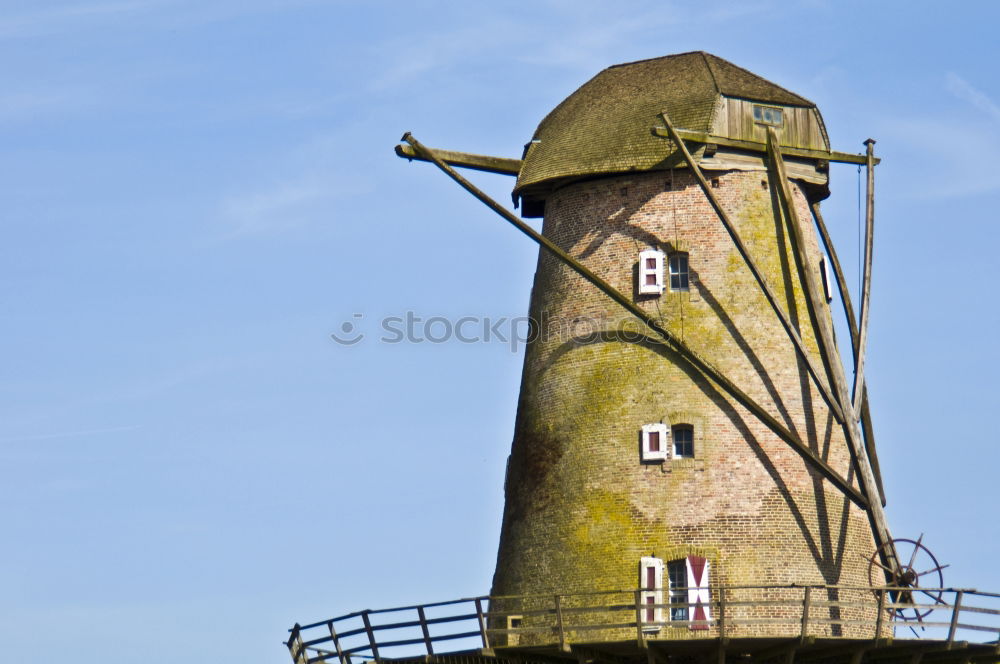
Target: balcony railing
<point>557,622</point>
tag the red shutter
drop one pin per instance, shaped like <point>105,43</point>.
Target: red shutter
<point>698,594</point>
<point>654,444</point>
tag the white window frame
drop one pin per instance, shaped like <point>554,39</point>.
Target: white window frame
<point>758,118</point>
<point>652,595</point>
<point>656,288</point>
<point>661,454</point>
<point>824,271</point>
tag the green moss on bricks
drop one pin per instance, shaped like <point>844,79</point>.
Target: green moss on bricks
<point>581,507</point>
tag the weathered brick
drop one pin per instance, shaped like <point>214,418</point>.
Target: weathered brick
<point>581,508</point>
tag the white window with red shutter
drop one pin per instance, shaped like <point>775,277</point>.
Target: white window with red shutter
<point>651,272</point>
<point>699,598</point>
<point>651,591</point>
<point>655,442</point>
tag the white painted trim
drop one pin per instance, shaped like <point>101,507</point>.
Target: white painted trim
<point>656,594</point>
<point>824,271</point>
<point>665,442</point>
<point>657,287</point>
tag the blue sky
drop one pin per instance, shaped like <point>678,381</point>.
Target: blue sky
<point>195,195</point>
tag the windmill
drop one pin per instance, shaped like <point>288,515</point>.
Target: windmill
<point>693,473</point>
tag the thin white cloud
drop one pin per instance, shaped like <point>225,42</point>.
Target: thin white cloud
<point>953,176</point>
<point>29,104</point>
<point>168,14</point>
<point>280,206</point>
<point>965,91</point>
<point>55,19</point>
<point>591,35</point>
<point>288,204</point>
<point>66,434</point>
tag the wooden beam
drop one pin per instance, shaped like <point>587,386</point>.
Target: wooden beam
<point>478,162</point>
<point>866,283</point>
<point>845,298</point>
<point>769,295</point>
<point>828,346</point>
<point>755,146</point>
<point>654,325</point>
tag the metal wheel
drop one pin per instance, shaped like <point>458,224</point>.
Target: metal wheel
<point>919,571</point>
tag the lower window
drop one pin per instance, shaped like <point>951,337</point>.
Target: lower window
<point>678,580</point>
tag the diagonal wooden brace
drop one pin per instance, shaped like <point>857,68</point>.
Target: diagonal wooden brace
<point>866,282</point>
<point>828,346</point>
<point>845,298</point>
<point>653,324</point>
<point>793,334</point>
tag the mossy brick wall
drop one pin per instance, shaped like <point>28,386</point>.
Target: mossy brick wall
<point>581,508</point>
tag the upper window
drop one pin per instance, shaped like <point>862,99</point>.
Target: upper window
<point>679,278</point>
<point>650,271</point>
<point>683,435</point>
<point>655,443</point>
<point>767,115</point>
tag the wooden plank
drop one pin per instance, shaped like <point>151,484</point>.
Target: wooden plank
<point>758,275</point>
<point>654,325</point>
<point>954,617</point>
<point>426,632</point>
<point>639,637</point>
<point>866,282</point>
<point>371,634</point>
<point>482,623</point>
<point>296,647</point>
<point>478,162</point>
<point>559,625</point>
<point>757,146</point>
<point>880,616</point>
<point>722,615</point>
<point>806,594</point>
<point>336,643</point>
<point>828,346</point>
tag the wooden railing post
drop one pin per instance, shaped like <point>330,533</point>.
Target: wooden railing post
<point>954,617</point>
<point>482,622</point>
<point>881,613</point>
<point>336,643</point>
<point>638,618</point>
<point>805,611</point>
<point>722,613</point>
<point>423,628</point>
<point>295,646</point>
<point>559,624</point>
<point>371,634</point>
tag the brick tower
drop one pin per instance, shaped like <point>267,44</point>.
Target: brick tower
<point>628,467</point>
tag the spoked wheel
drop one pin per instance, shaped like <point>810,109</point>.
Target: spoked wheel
<point>919,573</point>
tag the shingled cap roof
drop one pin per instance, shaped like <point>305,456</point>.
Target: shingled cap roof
<point>605,126</point>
